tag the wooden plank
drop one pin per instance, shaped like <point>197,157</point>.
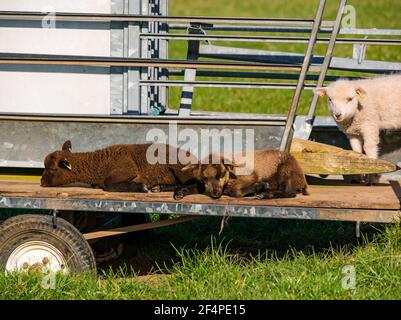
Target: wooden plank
<point>319,158</point>
<point>382,197</point>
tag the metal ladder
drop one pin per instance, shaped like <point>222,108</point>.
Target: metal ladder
<point>305,127</point>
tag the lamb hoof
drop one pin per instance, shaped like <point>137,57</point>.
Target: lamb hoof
<point>178,195</point>
<point>260,196</point>
<point>373,179</point>
<point>358,179</point>
<point>266,186</point>
<point>156,189</point>
<point>264,195</point>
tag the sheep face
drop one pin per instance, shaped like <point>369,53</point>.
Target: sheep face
<point>214,176</point>
<point>58,168</point>
<point>343,99</point>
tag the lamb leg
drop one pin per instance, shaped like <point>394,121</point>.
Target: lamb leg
<point>163,188</point>
<point>256,189</point>
<point>246,186</point>
<point>192,186</point>
<point>123,181</point>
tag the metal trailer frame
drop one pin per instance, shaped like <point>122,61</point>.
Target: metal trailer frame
<point>199,209</point>
<point>151,28</point>
<point>153,81</point>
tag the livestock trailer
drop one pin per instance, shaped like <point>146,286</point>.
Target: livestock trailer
<point>98,73</point>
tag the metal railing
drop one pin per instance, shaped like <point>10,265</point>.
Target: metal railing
<point>301,70</point>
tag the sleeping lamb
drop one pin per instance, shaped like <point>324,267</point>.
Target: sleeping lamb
<point>122,168</point>
<point>361,108</point>
<point>272,174</point>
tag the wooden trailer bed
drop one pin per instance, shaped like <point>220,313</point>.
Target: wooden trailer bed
<point>326,202</point>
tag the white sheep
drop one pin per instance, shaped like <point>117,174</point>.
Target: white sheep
<point>361,108</point>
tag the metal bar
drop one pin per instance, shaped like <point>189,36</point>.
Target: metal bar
<point>63,16</point>
<point>12,58</point>
<point>344,31</point>
<point>285,142</point>
<point>165,119</point>
<point>199,209</point>
<point>368,32</point>
<point>367,66</point>
<point>390,42</point>
<point>137,227</point>
<point>221,27</point>
<point>144,49</point>
<point>12,15</point>
<point>117,37</point>
<point>133,74</point>
<point>253,55</point>
<point>266,56</point>
<point>326,61</point>
<point>218,37</point>
<point>223,84</point>
<point>256,75</point>
<point>190,74</point>
<point>163,28</point>
<point>279,39</point>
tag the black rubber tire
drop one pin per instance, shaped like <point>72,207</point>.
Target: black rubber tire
<point>65,237</point>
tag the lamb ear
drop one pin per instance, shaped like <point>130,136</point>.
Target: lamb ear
<point>65,164</point>
<point>67,146</point>
<point>321,92</point>
<point>230,169</point>
<point>228,162</point>
<point>360,92</point>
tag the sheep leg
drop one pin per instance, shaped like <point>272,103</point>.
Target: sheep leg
<point>163,188</point>
<point>256,189</point>
<point>192,186</point>
<point>285,186</point>
<point>174,187</point>
<point>285,191</point>
<point>356,143</point>
<point>371,140</point>
<point>277,194</point>
<point>246,186</point>
<point>371,147</point>
<point>121,181</point>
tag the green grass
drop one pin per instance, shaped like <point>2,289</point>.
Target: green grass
<point>252,258</point>
<point>306,266</point>
<point>369,14</point>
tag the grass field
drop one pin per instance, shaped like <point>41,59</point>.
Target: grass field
<point>252,258</point>
<point>369,14</point>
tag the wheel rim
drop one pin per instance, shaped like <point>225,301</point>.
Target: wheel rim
<point>36,255</point>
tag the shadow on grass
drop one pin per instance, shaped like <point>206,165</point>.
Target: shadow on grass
<point>244,237</point>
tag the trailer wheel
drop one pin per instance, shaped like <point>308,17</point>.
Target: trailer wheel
<point>32,242</point>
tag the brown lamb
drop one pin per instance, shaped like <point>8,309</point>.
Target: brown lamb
<point>122,167</point>
<point>275,174</point>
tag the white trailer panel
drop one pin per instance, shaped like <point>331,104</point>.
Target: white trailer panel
<point>29,89</point>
